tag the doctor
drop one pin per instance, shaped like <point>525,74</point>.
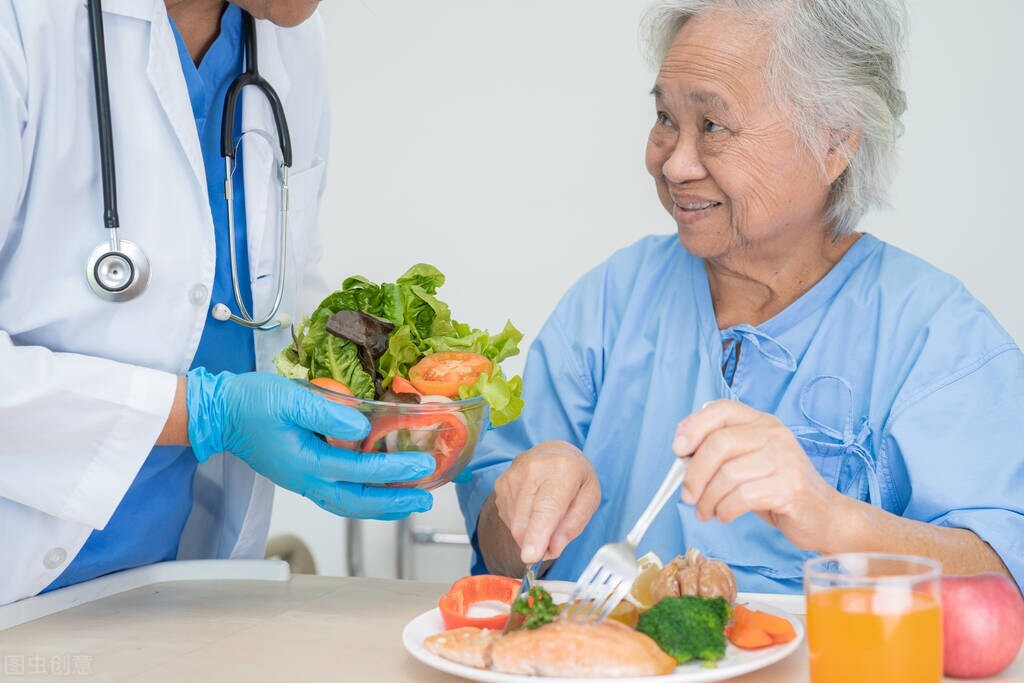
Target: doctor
<point>132,428</point>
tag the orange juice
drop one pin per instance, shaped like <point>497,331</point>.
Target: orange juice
<point>875,635</point>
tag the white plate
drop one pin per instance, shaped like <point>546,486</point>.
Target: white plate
<point>735,662</point>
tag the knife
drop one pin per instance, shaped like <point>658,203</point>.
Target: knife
<point>515,619</point>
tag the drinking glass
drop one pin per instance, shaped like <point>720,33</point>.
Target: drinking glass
<point>874,617</point>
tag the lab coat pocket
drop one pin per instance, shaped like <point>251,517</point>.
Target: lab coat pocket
<point>303,191</point>
<point>303,197</point>
<point>748,543</point>
<point>304,186</point>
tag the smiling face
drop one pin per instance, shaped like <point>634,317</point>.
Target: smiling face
<point>727,163</point>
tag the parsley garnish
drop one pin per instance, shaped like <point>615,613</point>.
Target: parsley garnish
<point>538,607</point>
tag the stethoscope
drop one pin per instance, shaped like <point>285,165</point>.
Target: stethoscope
<point>118,270</point>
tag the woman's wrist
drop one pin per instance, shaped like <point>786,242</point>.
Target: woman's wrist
<point>175,431</point>
<point>850,529</point>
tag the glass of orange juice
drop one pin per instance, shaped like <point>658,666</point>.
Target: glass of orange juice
<point>874,617</point>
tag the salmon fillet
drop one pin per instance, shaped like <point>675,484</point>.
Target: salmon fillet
<point>574,648</point>
<point>467,645</point>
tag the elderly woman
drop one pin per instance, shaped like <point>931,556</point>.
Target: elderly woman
<point>839,394</point>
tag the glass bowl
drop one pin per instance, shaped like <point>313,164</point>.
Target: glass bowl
<point>448,431</point>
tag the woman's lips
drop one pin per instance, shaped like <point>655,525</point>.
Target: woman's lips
<point>692,209</point>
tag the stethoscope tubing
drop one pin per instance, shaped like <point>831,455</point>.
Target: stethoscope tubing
<point>251,77</point>
<point>103,117</point>
<point>129,254</point>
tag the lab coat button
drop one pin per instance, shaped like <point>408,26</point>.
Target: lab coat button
<point>55,558</point>
<point>198,294</point>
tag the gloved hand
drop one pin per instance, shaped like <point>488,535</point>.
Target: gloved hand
<point>272,423</point>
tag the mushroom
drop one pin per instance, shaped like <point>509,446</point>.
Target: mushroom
<point>694,574</point>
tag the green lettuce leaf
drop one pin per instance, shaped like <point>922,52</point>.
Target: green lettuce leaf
<point>339,359</point>
<point>424,276</point>
<point>505,344</point>
<point>429,316</point>
<point>287,364</point>
<point>423,325</point>
<point>503,395</point>
<point>392,303</point>
<point>401,354</point>
<point>497,348</point>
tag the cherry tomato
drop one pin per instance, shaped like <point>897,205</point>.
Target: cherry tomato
<point>449,441</point>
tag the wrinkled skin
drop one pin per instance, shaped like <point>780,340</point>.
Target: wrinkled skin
<point>718,137</point>
<point>546,497</point>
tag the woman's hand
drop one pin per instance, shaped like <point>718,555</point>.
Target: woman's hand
<point>546,497</point>
<point>745,460</point>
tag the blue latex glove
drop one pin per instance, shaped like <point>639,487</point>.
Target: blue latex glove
<point>272,423</point>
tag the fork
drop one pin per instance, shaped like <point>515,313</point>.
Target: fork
<point>610,574</point>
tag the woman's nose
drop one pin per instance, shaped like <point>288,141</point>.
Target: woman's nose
<point>684,161</point>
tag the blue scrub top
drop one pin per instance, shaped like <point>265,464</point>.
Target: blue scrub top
<point>146,526</point>
<point>901,387</point>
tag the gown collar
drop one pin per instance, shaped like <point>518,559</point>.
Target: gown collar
<point>765,337</point>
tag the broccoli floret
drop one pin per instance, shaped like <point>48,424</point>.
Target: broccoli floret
<point>688,627</point>
<point>721,607</point>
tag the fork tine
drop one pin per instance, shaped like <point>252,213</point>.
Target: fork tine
<point>596,593</point>
<point>617,597</point>
<point>589,591</point>
<point>582,584</point>
<point>597,606</point>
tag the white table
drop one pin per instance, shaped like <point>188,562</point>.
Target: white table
<point>308,628</point>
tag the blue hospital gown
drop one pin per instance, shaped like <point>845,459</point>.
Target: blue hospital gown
<point>901,387</point>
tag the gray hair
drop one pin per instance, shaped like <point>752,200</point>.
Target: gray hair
<point>834,65</point>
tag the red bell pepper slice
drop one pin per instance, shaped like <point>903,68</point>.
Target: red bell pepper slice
<point>401,385</point>
<point>472,589</point>
<point>450,440</point>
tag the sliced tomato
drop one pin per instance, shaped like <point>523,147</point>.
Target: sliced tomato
<point>468,590</point>
<point>443,373</point>
<point>337,387</point>
<point>331,384</point>
<point>451,437</point>
<point>401,385</point>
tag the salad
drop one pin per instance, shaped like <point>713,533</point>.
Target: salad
<point>396,341</point>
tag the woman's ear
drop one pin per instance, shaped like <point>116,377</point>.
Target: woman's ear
<point>842,146</point>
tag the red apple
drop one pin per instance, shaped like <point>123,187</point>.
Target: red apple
<point>982,624</point>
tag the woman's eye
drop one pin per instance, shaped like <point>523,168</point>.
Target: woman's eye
<point>712,127</point>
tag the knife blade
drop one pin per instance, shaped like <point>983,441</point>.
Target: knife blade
<point>515,619</point>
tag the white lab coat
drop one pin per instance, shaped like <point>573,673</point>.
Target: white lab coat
<point>86,385</point>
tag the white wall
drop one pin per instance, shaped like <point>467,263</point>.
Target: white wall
<point>503,142</point>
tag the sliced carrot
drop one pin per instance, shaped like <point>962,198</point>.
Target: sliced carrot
<point>747,636</point>
<point>779,629</point>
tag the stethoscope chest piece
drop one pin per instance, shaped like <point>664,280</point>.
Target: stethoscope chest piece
<point>117,274</point>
